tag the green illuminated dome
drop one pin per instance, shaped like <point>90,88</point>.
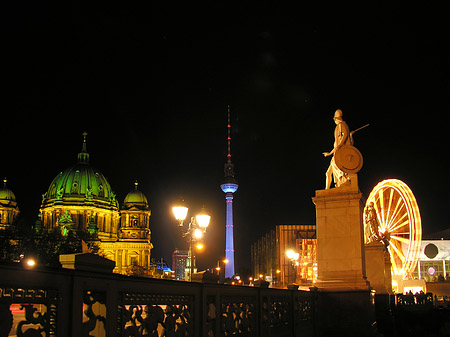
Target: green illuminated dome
<point>80,184</point>
<point>7,196</point>
<point>135,198</point>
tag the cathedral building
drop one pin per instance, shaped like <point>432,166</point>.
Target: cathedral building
<point>80,198</point>
<point>8,206</point>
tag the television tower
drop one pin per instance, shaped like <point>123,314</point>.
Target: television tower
<point>229,186</point>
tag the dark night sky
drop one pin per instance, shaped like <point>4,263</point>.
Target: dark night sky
<point>151,87</point>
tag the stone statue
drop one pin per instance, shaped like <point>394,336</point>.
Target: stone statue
<point>89,193</point>
<point>59,193</point>
<point>341,137</point>
<point>347,160</point>
<point>371,224</point>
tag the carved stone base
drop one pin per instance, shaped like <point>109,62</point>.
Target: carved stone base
<point>340,240</point>
<point>342,281</point>
<point>378,268</point>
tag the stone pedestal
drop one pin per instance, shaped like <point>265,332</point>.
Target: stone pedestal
<point>340,239</point>
<point>345,303</point>
<point>378,268</point>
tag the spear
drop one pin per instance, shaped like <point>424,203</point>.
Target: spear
<point>362,127</point>
<point>352,132</point>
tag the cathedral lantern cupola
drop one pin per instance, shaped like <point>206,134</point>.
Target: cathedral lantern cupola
<point>136,198</point>
<point>135,216</point>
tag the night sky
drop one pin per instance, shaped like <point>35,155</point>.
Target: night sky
<point>151,86</point>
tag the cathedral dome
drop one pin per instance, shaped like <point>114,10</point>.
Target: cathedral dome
<point>7,196</point>
<point>135,198</point>
<point>80,184</point>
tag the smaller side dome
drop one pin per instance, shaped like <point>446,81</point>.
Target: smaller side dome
<point>135,198</point>
<point>7,196</point>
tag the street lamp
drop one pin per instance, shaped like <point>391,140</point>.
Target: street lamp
<point>218,268</point>
<point>197,226</point>
<point>293,256</point>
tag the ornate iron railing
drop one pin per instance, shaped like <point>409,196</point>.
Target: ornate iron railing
<point>64,302</point>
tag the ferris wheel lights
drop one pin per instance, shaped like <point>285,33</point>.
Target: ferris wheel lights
<point>399,222</point>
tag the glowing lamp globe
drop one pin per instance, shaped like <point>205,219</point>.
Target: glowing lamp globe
<point>203,220</point>
<point>180,212</point>
<point>290,254</point>
<point>30,263</point>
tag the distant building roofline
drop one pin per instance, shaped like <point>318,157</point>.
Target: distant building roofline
<point>442,235</point>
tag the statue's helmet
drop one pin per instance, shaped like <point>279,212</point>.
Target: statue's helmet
<point>338,114</point>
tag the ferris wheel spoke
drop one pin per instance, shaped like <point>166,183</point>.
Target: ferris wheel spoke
<point>401,239</point>
<point>394,263</point>
<point>397,210</point>
<point>391,199</point>
<point>380,194</point>
<point>378,212</point>
<point>399,253</point>
<point>398,226</point>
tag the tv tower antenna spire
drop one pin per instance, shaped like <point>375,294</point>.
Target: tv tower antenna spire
<point>229,136</point>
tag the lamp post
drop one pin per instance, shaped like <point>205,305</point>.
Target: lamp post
<point>197,226</point>
<point>293,256</point>
<point>218,268</point>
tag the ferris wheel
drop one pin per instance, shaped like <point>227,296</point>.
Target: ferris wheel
<point>399,224</point>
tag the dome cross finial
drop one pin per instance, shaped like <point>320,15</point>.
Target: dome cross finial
<point>83,149</point>
<point>83,156</point>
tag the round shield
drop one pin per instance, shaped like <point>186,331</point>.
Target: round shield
<point>348,159</point>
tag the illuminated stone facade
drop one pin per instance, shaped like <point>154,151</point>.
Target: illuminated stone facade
<point>270,261</point>
<point>133,246</point>
<point>8,206</point>
<point>80,198</point>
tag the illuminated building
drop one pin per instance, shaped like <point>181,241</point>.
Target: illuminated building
<point>434,257</point>
<point>229,186</point>
<point>180,263</point>
<point>80,198</point>
<point>8,206</point>
<point>133,245</point>
<point>270,261</point>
